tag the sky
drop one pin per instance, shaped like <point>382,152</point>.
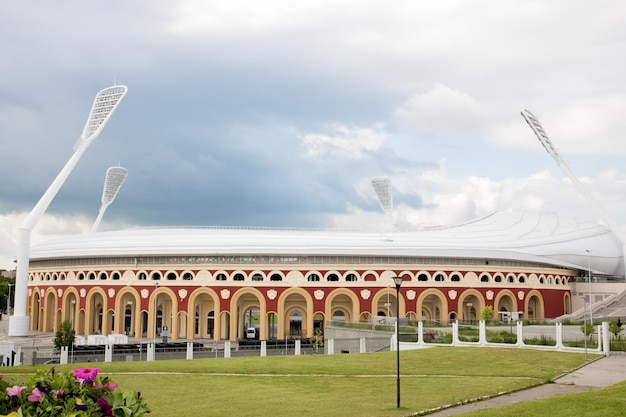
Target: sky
<point>279,113</point>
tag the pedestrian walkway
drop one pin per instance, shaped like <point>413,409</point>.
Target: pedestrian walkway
<point>598,374</point>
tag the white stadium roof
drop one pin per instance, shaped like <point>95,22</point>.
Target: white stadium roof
<point>532,237</point>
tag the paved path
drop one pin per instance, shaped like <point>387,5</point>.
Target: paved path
<point>600,373</point>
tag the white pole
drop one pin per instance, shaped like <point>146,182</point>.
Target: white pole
<point>105,103</point>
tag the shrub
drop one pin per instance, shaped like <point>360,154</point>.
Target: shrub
<point>81,393</point>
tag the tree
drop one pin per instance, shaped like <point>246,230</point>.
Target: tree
<point>487,313</point>
<point>64,337</point>
<point>317,340</point>
<point>587,329</point>
<point>615,327</point>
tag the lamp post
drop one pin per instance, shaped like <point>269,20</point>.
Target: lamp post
<point>398,282</point>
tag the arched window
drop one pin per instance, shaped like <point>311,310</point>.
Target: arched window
<point>276,277</point>
<point>521,280</point>
<point>313,278</point>
<point>187,276</point>
<point>103,275</point>
<point>92,276</point>
<point>116,276</point>
<point>422,277</point>
<point>498,278</point>
<point>220,277</point>
<point>455,278</point>
<point>171,276</point>
<point>156,276</point>
<point>484,278</point>
<point>239,277</point>
<point>439,278</point>
<point>257,277</point>
<point>142,276</point>
<point>333,278</point>
<point>351,278</point>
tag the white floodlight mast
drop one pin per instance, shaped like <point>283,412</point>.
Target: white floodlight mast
<point>113,181</point>
<point>534,124</point>
<point>384,194</point>
<point>105,102</point>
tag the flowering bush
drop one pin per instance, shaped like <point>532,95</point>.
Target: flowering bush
<point>81,393</point>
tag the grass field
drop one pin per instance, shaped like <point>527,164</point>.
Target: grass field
<point>331,385</point>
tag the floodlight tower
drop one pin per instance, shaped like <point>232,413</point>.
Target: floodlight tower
<point>113,181</point>
<point>104,104</point>
<point>382,188</point>
<point>549,147</point>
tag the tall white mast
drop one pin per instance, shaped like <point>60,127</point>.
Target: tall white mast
<point>104,104</point>
<point>534,124</point>
<point>113,181</point>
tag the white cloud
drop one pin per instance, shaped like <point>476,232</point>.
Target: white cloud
<point>344,141</point>
<point>441,109</point>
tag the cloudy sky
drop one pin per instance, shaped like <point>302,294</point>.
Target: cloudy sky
<point>279,113</point>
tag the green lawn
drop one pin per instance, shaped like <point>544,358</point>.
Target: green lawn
<point>607,402</point>
<point>331,385</point>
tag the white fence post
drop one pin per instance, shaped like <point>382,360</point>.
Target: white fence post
<point>189,350</point>
<point>606,342</point>
<point>227,349</point>
<point>63,360</point>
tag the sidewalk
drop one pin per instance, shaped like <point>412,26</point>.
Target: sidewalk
<point>600,373</point>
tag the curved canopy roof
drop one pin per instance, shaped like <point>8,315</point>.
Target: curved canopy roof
<point>532,237</point>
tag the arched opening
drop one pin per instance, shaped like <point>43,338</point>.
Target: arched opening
<point>295,323</point>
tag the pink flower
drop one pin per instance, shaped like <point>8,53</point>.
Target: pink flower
<point>86,373</point>
<point>59,393</point>
<point>110,385</point>
<point>36,395</point>
<point>15,390</point>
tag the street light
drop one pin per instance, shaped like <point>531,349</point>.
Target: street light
<point>589,290</point>
<point>398,282</point>
<point>104,105</point>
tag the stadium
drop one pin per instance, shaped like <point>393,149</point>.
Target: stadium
<point>215,283</point>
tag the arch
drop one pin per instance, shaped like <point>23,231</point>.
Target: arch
<point>567,303</point>
<point>533,306</point>
<point>342,299</point>
<point>432,305</point>
<point>289,299</point>
<point>162,311</point>
<point>201,323</point>
<point>384,301</point>
<point>96,312</point>
<point>241,301</point>
<point>71,306</point>
<point>50,307</point>
<point>505,301</point>
<point>470,305</point>
<point>128,307</point>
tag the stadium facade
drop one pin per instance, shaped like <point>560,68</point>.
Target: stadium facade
<point>215,283</point>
